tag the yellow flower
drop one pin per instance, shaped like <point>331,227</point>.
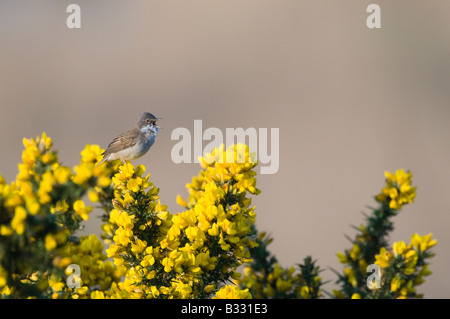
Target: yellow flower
<point>140,169</point>
<point>232,292</point>
<point>133,185</point>
<point>44,142</point>
<point>148,260</point>
<point>214,230</point>
<point>124,220</point>
<point>82,174</point>
<point>195,234</point>
<point>112,250</point>
<point>81,209</point>
<point>93,196</point>
<point>60,207</point>
<point>62,174</point>
<point>50,242</point>
<point>126,172</point>
<point>168,264</point>
<point>210,288</point>
<point>396,283</point>
<point>285,285</point>
<point>411,258</point>
<point>422,243</point>
<point>103,181</point>
<point>5,230</point>
<point>183,289</point>
<point>45,187</point>
<point>399,248</point>
<point>82,290</point>
<point>351,276</point>
<point>18,221</point>
<point>30,153</point>
<point>354,253</point>
<point>223,244</point>
<point>304,292</point>
<point>32,205</point>
<point>384,258</point>
<point>91,154</point>
<point>398,189</point>
<point>49,158</point>
<point>138,246</point>
<point>123,236</point>
<point>96,294</point>
<point>181,201</point>
<point>24,172</point>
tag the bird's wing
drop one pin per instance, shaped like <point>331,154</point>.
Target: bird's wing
<point>122,142</point>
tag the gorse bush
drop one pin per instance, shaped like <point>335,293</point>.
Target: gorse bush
<point>404,267</point>
<point>152,253</point>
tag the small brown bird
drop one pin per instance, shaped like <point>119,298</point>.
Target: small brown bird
<point>135,142</point>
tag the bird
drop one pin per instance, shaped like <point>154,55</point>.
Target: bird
<point>135,142</point>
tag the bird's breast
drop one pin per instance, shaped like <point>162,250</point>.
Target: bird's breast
<point>145,143</point>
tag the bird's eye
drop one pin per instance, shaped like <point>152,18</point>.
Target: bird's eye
<point>148,121</point>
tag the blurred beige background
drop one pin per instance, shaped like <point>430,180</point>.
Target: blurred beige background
<point>350,102</point>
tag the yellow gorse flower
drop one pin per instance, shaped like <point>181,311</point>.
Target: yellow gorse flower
<point>398,190</point>
<point>422,243</point>
<point>232,292</point>
<point>18,221</point>
<point>80,208</point>
<point>95,270</point>
<point>405,257</point>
